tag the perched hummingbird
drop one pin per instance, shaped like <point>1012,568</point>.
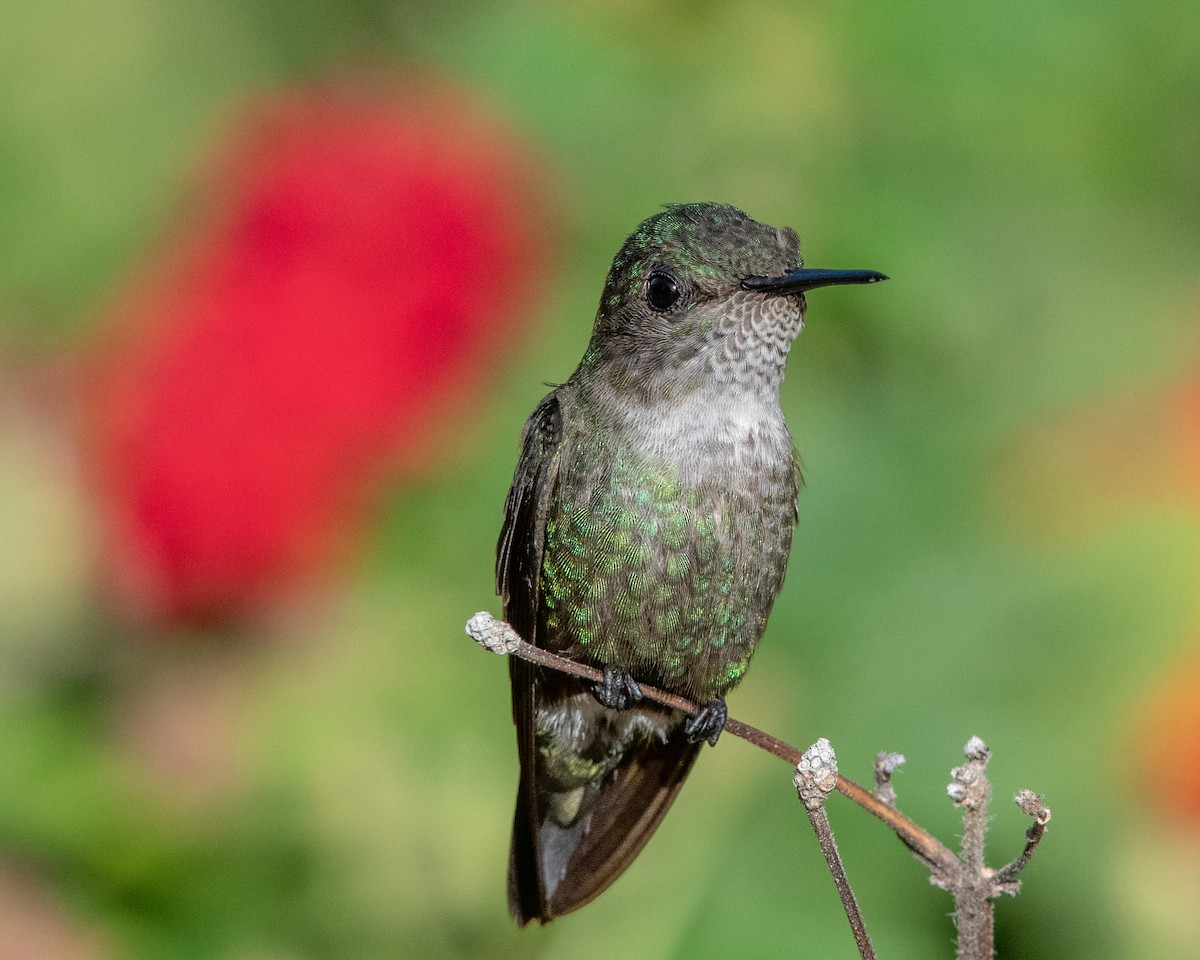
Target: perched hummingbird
<point>647,532</point>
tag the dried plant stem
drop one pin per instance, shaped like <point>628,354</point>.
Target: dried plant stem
<point>973,885</point>
<point>816,777</point>
<point>820,823</point>
<point>499,637</point>
<point>1005,878</point>
<point>974,913</point>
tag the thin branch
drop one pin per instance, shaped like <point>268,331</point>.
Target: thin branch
<point>816,777</point>
<point>973,885</point>
<point>498,637</point>
<point>973,900</point>
<point>1005,879</point>
<point>886,764</point>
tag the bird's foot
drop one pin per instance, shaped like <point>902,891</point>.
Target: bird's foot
<point>708,723</point>
<point>618,689</point>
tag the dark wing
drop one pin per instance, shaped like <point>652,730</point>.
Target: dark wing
<point>518,570</point>
<point>523,536</point>
<point>552,869</point>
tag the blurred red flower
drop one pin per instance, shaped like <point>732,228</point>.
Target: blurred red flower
<point>355,260</point>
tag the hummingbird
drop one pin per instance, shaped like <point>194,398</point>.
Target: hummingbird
<point>647,532</point>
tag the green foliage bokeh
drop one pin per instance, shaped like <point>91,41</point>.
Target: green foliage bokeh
<point>1025,172</point>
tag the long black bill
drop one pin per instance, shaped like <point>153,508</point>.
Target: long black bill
<point>804,278</point>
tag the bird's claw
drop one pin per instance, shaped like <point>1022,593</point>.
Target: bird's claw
<point>708,723</point>
<point>618,689</point>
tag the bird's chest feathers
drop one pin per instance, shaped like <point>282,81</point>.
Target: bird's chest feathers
<point>705,441</point>
<point>704,457</point>
<point>669,541</point>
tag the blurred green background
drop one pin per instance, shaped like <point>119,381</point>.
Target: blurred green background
<point>993,539</point>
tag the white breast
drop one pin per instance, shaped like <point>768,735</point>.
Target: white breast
<point>712,438</point>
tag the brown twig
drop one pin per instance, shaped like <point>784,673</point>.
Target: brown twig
<point>1005,878</point>
<point>976,888</point>
<point>886,764</point>
<point>973,885</point>
<point>974,906</point>
<point>816,777</point>
<point>499,637</point>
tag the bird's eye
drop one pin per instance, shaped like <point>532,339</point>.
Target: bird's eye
<point>662,290</point>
